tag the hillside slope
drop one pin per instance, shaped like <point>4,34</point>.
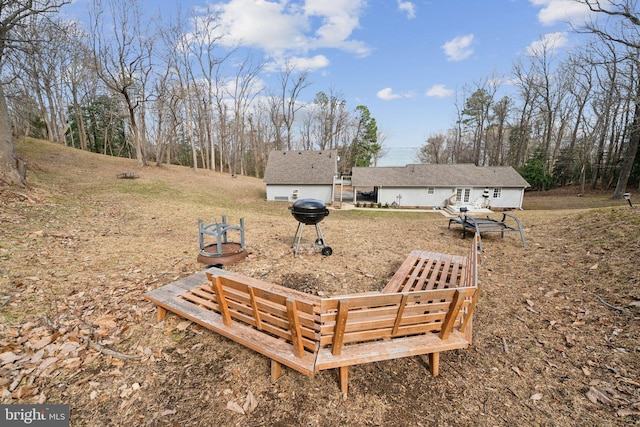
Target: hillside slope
<point>556,335</point>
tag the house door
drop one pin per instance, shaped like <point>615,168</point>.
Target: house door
<point>463,195</point>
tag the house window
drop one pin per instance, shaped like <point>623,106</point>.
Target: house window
<point>431,190</point>
<point>497,193</point>
<point>463,195</point>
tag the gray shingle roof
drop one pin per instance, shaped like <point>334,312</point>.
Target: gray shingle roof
<point>427,175</point>
<point>301,167</point>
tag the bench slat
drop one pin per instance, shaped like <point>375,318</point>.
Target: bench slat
<point>340,324</point>
<point>424,276</point>
<point>272,347</point>
<point>294,327</point>
<point>305,301</point>
<point>392,349</point>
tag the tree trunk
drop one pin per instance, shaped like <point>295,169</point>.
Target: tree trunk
<point>629,155</point>
<point>12,171</point>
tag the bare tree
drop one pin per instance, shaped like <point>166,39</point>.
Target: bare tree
<point>242,91</point>
<point>623,28</point>
<point>433,152</point>
<point>519,138</point>
<point>122,60</point>
<point>290,88</point>
<point>500,111</point>
<point>581,89</point>
<point>12,14</point>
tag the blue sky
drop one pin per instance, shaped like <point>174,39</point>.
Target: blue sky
<point>404,60</point>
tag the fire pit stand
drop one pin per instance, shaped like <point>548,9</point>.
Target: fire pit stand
<point>309,212</point>
<point>222,251</point>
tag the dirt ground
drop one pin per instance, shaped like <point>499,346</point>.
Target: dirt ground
<point>556,329</point>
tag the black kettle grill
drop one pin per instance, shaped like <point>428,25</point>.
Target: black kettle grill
<point>309,212</point>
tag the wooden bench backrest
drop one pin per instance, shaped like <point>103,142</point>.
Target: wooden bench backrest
<point>267,308</point>
<point>356,319</point>
<point>472,263</point>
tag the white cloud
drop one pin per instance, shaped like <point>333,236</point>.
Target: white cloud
<point>408,7</point>
<point>458,48</point>
<point>387,94</point>
<point>300,63</point>
<point>282,26</point>
<point>558,11</point>
<point>339,19</point>
<point>439,91</point>
<point>550,43</point>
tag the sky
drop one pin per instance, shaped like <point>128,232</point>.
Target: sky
<point>404,60</point>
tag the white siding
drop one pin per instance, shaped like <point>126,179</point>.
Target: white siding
<point>509,198</point>
<point>418,197</point>
<point>285,192</point>
<point>413,197</point>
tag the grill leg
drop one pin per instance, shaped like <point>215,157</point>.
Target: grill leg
<point>295,236</point>
<point>319,234</point>
<point>299,236</point>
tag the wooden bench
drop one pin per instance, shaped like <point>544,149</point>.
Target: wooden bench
<point>426,308</point>
<point>369,328</point>
<point>278,322</point>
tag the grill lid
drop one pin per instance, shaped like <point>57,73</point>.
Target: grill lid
<point>309,211</point>
<point>308,205</point>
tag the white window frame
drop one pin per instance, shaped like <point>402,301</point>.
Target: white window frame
<point>497,193</point>
<point>463,195</point>
<point>431,190</point>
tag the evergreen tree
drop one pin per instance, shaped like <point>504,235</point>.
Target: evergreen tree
<point>365,145</point>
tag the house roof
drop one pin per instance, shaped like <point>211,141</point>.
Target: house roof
<point>438,175</point>
<point>301,167</point>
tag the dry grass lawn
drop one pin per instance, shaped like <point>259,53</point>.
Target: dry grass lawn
<point>556,332</point>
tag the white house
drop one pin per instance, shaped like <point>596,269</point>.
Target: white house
<point>292,175</point>
<point>439,185</point>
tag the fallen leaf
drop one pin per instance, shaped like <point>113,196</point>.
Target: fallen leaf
<point>516,370</point>
<point>47,362</point>
<point>8,357</point>
<point>167,412</point>
<point>626,412</point>
<point>44,341</point>
<point>586,371</point>
<point>537,396</point>
<point>594,266</point>
<point>233,406</point>
<point>595,396</point>
<point>183,325</point>
<point>106,322</point>
<point>634,304</point>
<point>629,381</point>
<point>551,293</point>
<point>530,303</point>
<point>250,403</point>
<point>24,391</point>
